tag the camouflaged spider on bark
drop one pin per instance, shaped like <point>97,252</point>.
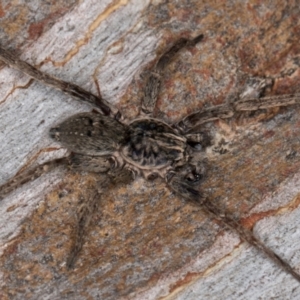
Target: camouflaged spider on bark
<point>102,142</point>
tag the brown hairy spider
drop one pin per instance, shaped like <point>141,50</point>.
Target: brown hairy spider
<point>102,142</point>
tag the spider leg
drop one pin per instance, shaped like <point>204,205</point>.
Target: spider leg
<point>154,77</point>
<point>247,236</point>
<point>67,87</point>
<point>94,164</point>
<point>86,206</point>
<point>100,164</point>
<point>193,120</point>
<point>151,91</point>
<point>29,175</point>
<point>266,102</point>
<point>89,203</point>
<point>225,111</point>
<point>184,182</point>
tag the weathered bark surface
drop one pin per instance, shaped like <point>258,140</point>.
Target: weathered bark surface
<point>146,243</point>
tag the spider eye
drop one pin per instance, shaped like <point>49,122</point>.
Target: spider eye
<point>194,177</point>
<point>198,177</point>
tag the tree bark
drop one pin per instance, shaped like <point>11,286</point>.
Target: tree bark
<point>145,242</point>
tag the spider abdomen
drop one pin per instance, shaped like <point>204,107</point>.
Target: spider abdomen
<point>91,134</point>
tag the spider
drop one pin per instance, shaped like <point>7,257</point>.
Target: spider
<point>102,141</point>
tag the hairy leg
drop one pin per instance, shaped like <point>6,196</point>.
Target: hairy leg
<point>226,111</point>
<point>154,77</point>
<point>192,121</point>
<point>89,202</point>
<point>186,183</point>
<point>29,175</point>
<point>67,87</point>
<point>266,102</point>
<point>247,235</point>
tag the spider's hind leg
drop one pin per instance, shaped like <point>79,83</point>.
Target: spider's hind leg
<point>94,164</point>
<point>87,204</point>
<point>109,175</point>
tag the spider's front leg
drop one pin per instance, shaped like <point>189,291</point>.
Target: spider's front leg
<point>184,182</point>
<point>190,123</point>
<point>154,77</point>
<point>249,100</point>
<point>247,236</point>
